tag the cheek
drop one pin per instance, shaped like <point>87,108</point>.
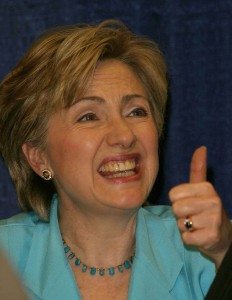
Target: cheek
<point>151,141</point>
<point>151,145</point>
<point>75,152</point>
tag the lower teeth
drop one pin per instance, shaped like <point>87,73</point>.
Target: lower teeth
<point>121,174</point>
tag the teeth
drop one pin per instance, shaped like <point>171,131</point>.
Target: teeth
<point>107,168</point>
<point>118,166</point>
<point>122,174</point>
<point>122,166</point>
<point>113,167</point>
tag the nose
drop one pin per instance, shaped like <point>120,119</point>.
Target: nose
<point>121,134</point>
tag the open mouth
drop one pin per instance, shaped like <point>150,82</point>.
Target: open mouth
<point>120,168</point>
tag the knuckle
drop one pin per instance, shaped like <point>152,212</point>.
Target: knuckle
<point>179,224</point>
<point>176,191</point>
<point>186,238</point>
<point>207,186</point>
<point>173,193</point>
<point>181,208</point>
<point>216,203</point>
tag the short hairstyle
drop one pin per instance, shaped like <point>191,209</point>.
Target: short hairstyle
<point>53,73</point>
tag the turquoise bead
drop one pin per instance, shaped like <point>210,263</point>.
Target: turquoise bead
<point>66,249</point>
<point>111,271</point>
<point>101,272</point>
<point>77,262</point>
<point>93,271</point>
<point>127,264</point>
<point>84,268</point>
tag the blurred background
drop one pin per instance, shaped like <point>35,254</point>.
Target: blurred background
<point>196,38</point>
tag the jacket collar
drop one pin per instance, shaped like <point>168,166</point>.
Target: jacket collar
<point>155,269</point>
<point>156,264</point>
<point>52,277</point>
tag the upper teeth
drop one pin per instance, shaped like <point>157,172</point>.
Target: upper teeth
<point>114,166</point>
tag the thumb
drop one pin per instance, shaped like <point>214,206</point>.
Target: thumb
<point>198,167</point>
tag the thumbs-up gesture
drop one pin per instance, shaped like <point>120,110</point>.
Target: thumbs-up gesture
<point>200,216</point>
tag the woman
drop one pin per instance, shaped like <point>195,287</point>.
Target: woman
<point>80,119</point>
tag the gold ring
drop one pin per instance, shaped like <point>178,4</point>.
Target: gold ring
<point>188,223</point>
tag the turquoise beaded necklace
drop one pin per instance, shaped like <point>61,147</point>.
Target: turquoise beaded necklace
<point>126,265</point>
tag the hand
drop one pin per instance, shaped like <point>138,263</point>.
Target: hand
<point>198,200</point>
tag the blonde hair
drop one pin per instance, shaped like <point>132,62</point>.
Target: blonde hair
<point>53,73</point>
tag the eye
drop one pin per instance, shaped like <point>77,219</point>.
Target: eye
<point>138,112</point>
<point>88,117</point>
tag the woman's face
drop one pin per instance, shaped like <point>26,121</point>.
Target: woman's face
<point>104,149</point>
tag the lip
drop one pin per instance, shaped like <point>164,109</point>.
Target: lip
<point>121,158</point>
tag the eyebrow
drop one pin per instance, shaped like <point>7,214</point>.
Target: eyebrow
<point>125,99</point>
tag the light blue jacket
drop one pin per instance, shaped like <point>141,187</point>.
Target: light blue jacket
<point>163,268</point>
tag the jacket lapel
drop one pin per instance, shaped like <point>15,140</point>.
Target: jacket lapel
<point>47,273</point>
<point>157,264</point>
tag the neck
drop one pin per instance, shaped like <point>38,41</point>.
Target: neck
<point>99,240</point>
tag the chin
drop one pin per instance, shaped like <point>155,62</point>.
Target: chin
<point>131,202</point>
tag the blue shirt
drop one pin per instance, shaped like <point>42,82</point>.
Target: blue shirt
<point>163,267</point>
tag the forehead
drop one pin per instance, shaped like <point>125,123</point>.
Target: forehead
<point>112,74</point>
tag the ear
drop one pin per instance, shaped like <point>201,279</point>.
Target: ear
<point>35,157</point>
